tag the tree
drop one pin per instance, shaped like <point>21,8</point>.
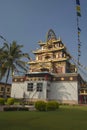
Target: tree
<point>11,60</point>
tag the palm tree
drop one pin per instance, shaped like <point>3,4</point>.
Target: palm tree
<point>11,60</point>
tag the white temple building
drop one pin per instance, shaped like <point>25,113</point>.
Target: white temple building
<point>51,75</point>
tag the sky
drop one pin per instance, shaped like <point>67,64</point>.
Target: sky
<point>28,21</point>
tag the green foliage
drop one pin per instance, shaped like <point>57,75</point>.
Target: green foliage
<point>52,105</point>
<point>2,101</point>
<point>40,105</point>
<point>16,109</point>
<point>12,58</point>
<point>49,106</point>
<point>10,101</point>
<point>57,104</point>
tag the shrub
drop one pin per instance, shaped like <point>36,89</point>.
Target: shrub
<point>10,101</point>
<point>52,105</point>
<point>2,101</point>
<point>57,104</point>
<point>40,105</point>
<point>16,109</point>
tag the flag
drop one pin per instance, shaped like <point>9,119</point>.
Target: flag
<point>78,33</point>
<point>79,44</point>
<point>77,2</point>
<point>79,14</point>
<point>78,9</point>
<point>79,29</point>
<point>78,47</point>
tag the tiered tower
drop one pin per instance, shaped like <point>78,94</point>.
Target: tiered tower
<point>52,56</point>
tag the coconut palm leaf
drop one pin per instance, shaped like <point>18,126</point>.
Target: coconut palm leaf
<point>12,59</point>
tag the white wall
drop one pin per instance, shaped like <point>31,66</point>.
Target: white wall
<point>34,94</point>
<point>64,91</point>
<point>18,89</point>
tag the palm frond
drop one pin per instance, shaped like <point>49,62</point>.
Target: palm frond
<point>12,58</point>
<point>21,65</point>
<point>2,72</point>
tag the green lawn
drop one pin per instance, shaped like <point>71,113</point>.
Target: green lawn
<point>66,118</point>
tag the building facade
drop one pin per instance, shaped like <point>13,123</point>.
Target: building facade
<point>51,75</point>
<point>7,89</point>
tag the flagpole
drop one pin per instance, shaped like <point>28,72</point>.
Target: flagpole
<point>79,54</point>
<point>78,31</point>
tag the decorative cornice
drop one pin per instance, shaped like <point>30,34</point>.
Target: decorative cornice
<point>48,50</point>
<point>46,77</point>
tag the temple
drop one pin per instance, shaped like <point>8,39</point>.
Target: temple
<point>51,75</point>
<point>52,57</point>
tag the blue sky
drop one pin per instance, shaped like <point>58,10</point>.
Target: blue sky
<point>28,21</point>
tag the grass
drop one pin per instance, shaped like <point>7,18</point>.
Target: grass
<point>66,118</point>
